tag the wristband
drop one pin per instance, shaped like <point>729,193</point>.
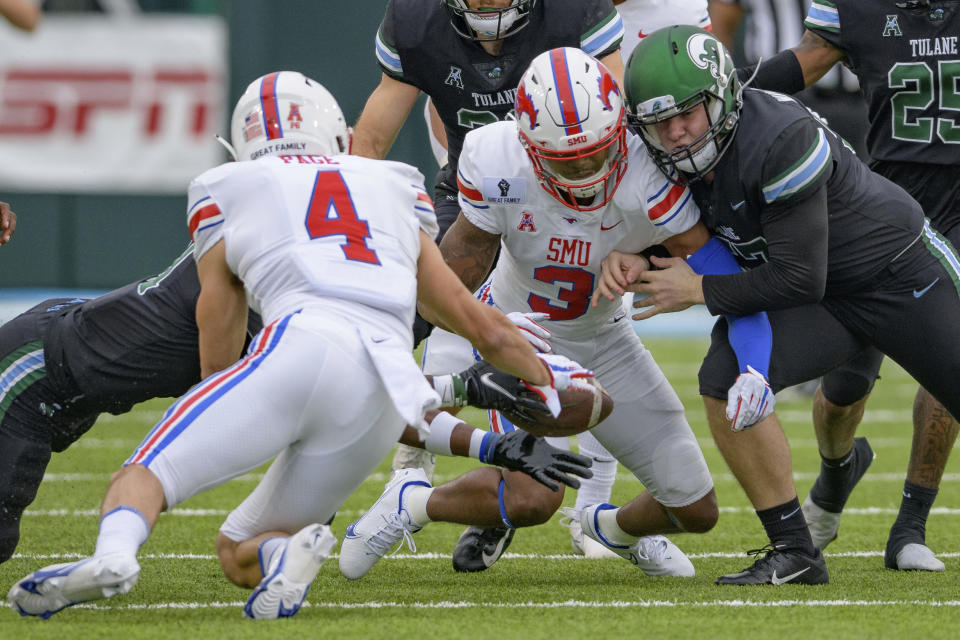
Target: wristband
<point>441,428</point>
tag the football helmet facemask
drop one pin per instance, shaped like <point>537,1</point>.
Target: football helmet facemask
<point>287,113</point>
<point>488,23</point>
<point>572,124</point>
<point>671,71</point>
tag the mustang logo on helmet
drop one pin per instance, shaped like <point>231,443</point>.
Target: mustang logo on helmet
<point>524,105</point>
<point>607,86</point>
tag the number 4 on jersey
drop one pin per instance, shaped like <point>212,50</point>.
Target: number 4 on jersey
<point>331,212</point>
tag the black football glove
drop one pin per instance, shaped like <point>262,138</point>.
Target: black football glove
<point>489,388</point>
<point>521,451</point>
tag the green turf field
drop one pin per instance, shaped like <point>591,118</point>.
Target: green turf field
<point>539,589</point>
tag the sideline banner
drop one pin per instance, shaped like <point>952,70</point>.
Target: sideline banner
<point>112,103</point>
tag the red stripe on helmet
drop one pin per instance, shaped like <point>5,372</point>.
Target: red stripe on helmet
<point>561,79</point>
<point>269,106</point>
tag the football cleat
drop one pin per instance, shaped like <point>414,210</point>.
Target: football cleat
<point>407,457</point>
<point>656,556</point>
<point>387,522</point>
<point>48,590</point>
<point>478,548</point>
<point>781,565</point>
<point>913,556</point>
<point>585,545</point>
<point>290,573</point>
<point>823,523</point>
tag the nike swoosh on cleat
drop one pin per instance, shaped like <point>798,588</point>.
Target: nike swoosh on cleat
<point>784,580</point>
<point>917,294</point>
<point>487,379</point>
<point>490,558</point>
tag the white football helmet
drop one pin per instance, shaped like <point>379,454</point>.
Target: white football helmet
<point>287,113</point>
<point>572,123</point>
<point>488,23</point>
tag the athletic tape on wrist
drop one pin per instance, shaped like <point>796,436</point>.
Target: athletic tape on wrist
<point>441,428</point>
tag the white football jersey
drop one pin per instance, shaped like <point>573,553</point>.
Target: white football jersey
<point>301,229</point>
<point>551,255</point>
<point>642,17</point>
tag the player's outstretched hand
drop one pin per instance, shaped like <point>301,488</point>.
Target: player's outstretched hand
<point>749,400</point>
<point>548,465</point>
<point>490,388</point>
<point>617,271</point>
<point>8,223</point>
<point>564,373</point>
<point>673,287</point>
<point>535,334</point>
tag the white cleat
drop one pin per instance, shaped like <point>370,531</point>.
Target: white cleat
<point>654,555</point>
<point>823,524</point>
<point>48,590</point>
<point>290,574</point>
<point>918,557</point>
<point>387,522</point>
<point>407,457</point>
<point>586,546</point>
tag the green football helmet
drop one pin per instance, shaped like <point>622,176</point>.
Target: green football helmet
<point>675,69</point>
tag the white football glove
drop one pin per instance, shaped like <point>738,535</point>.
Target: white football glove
<point>565,373</point>
<point>750,400</point>
<point>537,335</point>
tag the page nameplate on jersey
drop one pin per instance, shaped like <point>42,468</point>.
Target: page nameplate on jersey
<point>505,190</point>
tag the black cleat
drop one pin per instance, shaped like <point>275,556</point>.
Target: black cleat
<point>781,565</point>
<point>478,548</point>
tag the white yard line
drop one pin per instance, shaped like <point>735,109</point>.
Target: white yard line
<point>566,604</point>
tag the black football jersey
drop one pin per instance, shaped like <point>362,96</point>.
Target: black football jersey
<point>908,61</point>
<point>132,344</point>
<point>417,44</point>
<point>782,154</point>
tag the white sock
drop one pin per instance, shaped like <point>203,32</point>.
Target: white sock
<point>609,529</point>
<point>122,530</point>
<point>598,488</point>
<point>415,500</point>
<point>266,550</point>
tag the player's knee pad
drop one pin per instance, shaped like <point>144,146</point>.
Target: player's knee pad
<point>844,388</point>
<point>680,472</point>
<point>22,464</point>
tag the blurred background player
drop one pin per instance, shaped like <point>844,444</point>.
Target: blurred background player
<point>336,293</point>
<point>907,79</point>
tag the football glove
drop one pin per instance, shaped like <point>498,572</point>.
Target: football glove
<point>749,400</point>
<point>564,373</point>
<point>486,387</point>
<point>537,335</point>
<point>521,451</point>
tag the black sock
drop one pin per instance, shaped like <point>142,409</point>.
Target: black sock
<point>914,509</point>
<point>838,477</point>
<point>786,526</point>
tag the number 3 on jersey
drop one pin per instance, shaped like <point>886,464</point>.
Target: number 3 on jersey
<point>331,213</point>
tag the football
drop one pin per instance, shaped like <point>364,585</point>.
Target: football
<point>580,409</point>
